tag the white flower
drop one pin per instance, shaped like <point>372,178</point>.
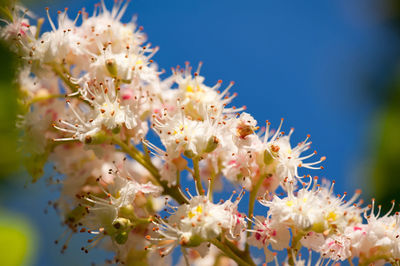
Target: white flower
<point>80,124</point>
<point>335,247</point>
<point>61,44</point>
<point>37,125</point>
<point>198,99</point>
<point>338,212</point>
<point>18,32</point>
<point>37,88</point>
<point>180,134</point>
<point>201,218</point>
<point>265,233</point>
<point>288,159</point>
<point>313,241</point>
<point>314,208</point>
<point>194,223</point>
<point>213,257</point>
<point>131,66</point>
<point>243,163</point>
<point>379,238</point>
<point>104,212</point>
<point>300,261</point>
<point>300,211</point>
<point>108,111</point>
<point>105,27</point>
<point>243,128</point>
<point>235,156</point>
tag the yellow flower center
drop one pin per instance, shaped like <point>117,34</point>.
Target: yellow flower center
<point>289,203</point>
<point>332,216</point>
<point>198,210</point>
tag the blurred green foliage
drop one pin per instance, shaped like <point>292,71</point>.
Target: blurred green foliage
<point>386,148</point>
<point>9,157</point>
<point>17,236</point>
<point>386,174</point>
<point>17,240</point>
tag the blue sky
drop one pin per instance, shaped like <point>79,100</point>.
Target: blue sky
<point>311,62</point>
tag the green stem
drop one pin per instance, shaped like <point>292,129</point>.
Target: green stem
<point>136,154</point>
<point>146,151</point>
<point>44,98</point>
<point>189,170</point>
<point>211,184</point>
<point>142,221</point>
<point>228,252</point>
<point>196,175</point>
<point>178,178</point>
<point>66,80</point>
<point>371,260</point>
<point>252,200</point>
<point>295,246</point>
<point>39,25</point>
<point>173,191</point>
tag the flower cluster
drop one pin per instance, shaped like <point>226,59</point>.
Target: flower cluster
<point>90,93</point>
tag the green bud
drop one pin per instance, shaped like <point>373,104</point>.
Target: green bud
<point>98,138</point>
<point>111,67</point>
<point>318,227</point>
<point>150,204</point>
<point>116,130</point>
<point>268,159</point>
<point>121,227</point>
<point>126,211</point>
<point>188,153</point>
<point>212,144</point>
<point>194,241</point>
<point>121,224</point>
<point>121,238</point>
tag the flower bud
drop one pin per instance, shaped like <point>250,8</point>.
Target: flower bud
<point>318,227</point>
<point>121,223</point>
<point>189,153</point>
<point>111,67</point>
<point>126,211</point>
<point>98,138</point>
<point>122,227</point>
<point>121,238</point>
<point>194,241</point>
<point>116,130</point>
<point>268,159</point>
<point>212,144</point>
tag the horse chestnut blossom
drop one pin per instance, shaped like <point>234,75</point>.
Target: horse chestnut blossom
<point>90,94</point>
<point>196,222</point>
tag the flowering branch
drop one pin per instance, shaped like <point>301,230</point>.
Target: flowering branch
<point>90,92</point>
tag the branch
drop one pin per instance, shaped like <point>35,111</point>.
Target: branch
<point>252,200</point>
<point>228,252</point>
<point>132,151</point>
